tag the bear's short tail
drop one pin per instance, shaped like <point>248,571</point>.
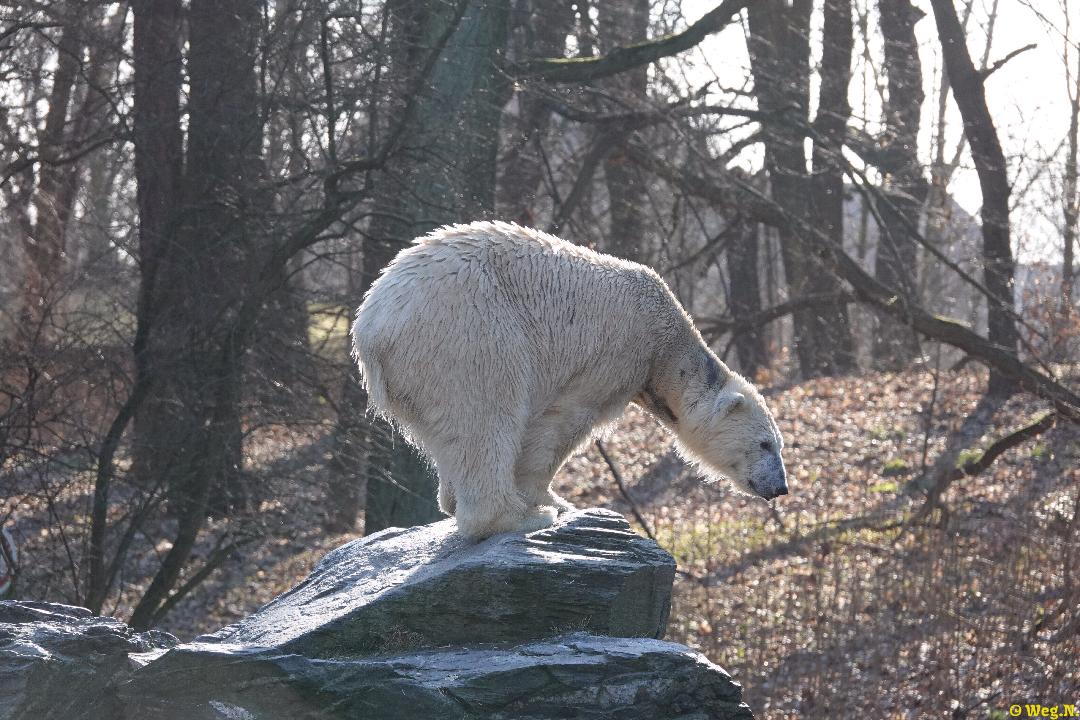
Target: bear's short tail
<point>364,349</point>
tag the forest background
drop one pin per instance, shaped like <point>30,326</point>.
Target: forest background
<point>869,206</point>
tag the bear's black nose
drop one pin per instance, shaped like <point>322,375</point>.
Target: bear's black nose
<point>775,493</point>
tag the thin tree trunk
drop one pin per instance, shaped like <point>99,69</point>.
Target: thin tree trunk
<point>744,297</point>
<point>158,165</point>
<point>44,246</point>
<point>281,358</point>
<point>546,26</point>
<point>624,23</point>
<point>930,278</point>
<point>999,266</point>
<point>1071,200</point>
<point>896,264</point>
<point>827,185</point>
<point>158,152</point>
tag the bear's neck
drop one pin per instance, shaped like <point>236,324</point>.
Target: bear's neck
<point>689,375</point>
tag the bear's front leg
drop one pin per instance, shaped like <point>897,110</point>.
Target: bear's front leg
<point>562,505</point>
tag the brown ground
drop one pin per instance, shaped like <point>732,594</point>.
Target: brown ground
<point>825,604</point>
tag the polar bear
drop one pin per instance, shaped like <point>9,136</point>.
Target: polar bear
<point>498,350</point>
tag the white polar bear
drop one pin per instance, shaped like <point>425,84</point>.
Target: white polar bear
<point>498,350</point>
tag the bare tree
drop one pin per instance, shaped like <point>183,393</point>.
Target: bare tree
<point>190,431</point>
<point>896,262</point>
<point>999,267</point>
<point>538,28</point>
<point>779,47</point>
<point>44,245</point>
<point>624,23</point>
<point>1071,197</point>
<point>158,158</point>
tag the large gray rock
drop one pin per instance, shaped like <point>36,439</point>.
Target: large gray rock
<point>572,676</point>
<point>54,659</point>
<point>417,623</point>
<point>429,587</point>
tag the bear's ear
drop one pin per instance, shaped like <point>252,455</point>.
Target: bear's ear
<point>728,402</point>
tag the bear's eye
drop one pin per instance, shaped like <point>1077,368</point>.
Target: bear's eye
<point>766,446</point>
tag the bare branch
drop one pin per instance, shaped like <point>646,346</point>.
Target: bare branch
<point>603,145</point>
<point>631,56</point>
<point>711,189</point>
<point>984,461</point>
<point>946,471</point>
<point>652,116</point>
<point>768,315</point>
<point>217,558</point>
<point>869,290</point>
<point>1000,63</point>
<point>623,491</point>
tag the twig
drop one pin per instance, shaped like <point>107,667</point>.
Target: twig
<point>597,152</point>
<point>217,557</point>
<point>1000,63</point>
<point>967,709</point>
<point>930,410</point>
<point>622,490</point>
<point>778,518</point>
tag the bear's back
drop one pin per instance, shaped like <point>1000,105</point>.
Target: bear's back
<point>497,242</point>
<point>503,273</point>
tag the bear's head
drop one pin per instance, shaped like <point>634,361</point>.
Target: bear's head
<point>729,433</point>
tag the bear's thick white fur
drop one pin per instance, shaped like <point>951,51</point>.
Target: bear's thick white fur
<point>498,350</point>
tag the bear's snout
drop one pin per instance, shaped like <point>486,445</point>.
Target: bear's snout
<point>770,480</point>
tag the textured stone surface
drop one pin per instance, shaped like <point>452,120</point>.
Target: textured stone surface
<point>429,587</point>
<point>56,659</point>
<point>416,623</point>
<point>572,676</point>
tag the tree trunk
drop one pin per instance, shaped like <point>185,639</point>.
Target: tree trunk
<point>545,25</point>
<point>447,175</point>
<point>624,23</point>
<point>744,295</point>
<point>1071,201</point>
<point>158,165</point>
<point>191,424</point>
<point>780,60</point>
<point>44,246</point>
<point>999,267</point>
<point>827,184</point>
<point>281,361</point>
<point>896,264</point>
<point>158,151</point>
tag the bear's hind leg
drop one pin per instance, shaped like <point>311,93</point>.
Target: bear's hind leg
<point>480,475</point>
<point>447,501</point>
<point>492,509</point>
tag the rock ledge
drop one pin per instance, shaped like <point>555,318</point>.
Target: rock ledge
<point>414,623</point>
